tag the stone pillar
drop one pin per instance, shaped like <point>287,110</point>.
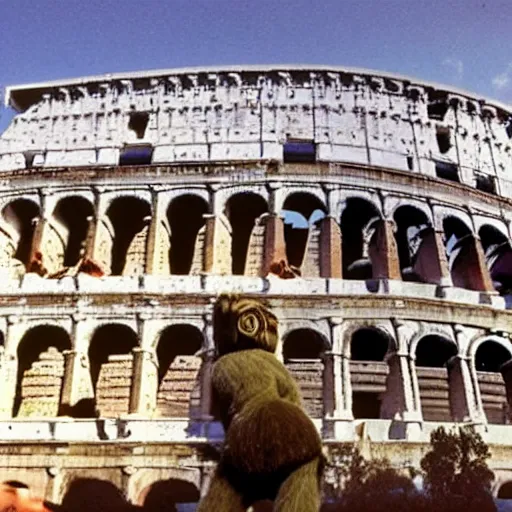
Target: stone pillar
<point>144,386</point>
<point>89,238</point>
<point>330,248</point>
<point>9,372</point>
<point>506,372</point>
<point>469,269</point>
<point>401,402</point>
<point>207,355</point>
<point>430,262</point>
<point>383,251</point>
<point>465,400</point>
<point>98,233</point>
<point>217,245</point>
<point>77,387</point>
<point>274,246</point>
<point>151,245</point>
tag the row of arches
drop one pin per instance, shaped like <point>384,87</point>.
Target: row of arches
<point>121,239</point>
<point>176,373</point>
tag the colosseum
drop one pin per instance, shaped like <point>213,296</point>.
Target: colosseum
<point>372,211</point>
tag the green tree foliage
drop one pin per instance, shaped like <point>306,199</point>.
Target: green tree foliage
<point>456,474</point>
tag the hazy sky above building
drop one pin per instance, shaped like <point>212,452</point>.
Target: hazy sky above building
<point>464,43</point>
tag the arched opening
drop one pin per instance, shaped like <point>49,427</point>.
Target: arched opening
<point>242,210</point>
<point>302,211</point>
<point>72,214</point>
<point>432,355</point>
<point>455,231</point>
<point>40,359</point>
<point>302,352</point>
<point>130,218</point>
<point>505,491</point>
<point>111,362</point>
<point>489,359</point>
<point>355,217</point>
<point>21,215</point>
<point>368,372</point>
<point>186,218</point>
<point>179,390</point>
<point>410,222</point>
<point>87,494</point>
<point>173,495</point>
<point>498,255</point>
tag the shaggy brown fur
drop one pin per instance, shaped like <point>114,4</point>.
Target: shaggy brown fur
<point>272,449</point>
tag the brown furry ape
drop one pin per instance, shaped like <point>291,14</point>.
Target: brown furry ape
<point>272,449</point>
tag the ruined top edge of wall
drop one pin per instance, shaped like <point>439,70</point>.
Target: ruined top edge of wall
<point>21,97</point>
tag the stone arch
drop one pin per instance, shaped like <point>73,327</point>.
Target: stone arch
<point>72,216</point>
<point>303,351</point>
<point>224,194</point>
<point>19,218</point>
<point>393,203</point>
<point>498,256</point>
<point>356,216</point>
<point>171,495</point>
<point>87,493</point>
<point>368,370</point>
<point>505,491</point>
<point>302,212</point>
<point>242,210</point>
<point>129,217</point>
<point>441,213</point>
<point>313,192</point>
<point>111,364</point>
<point>492,357</point>
<point>456,232</point>
<point>40,357</point>
<point>432,353</point>
<point>410,222</point>
<point>179,390</point>
<point>185,216</point>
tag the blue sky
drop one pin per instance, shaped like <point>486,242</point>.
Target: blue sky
<point>465,43</point>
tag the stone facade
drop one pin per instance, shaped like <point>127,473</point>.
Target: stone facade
<point>373,213</point>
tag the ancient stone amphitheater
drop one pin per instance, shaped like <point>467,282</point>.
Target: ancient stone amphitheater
<point>372,211</point>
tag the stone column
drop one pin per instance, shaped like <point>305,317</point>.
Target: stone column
<point>430,262</point>
<point>144,385</point>
<point>400,401</point>
<point>9,371</point>
<point>77,396</point>
<point>470,268</point>
<point>274,246</point>
<point>40,224</point>
<point>217,245</point>
<point>95,249</point>
<point>330,248</point>
<point>383,251</point>
<point>151,245</point>
<point>207,355</point>
<point>465,400</point>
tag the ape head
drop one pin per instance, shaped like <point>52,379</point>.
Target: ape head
<point>242,324</point>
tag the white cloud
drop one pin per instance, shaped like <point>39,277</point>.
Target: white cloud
<point>456,65</point>
<point>503,80</point>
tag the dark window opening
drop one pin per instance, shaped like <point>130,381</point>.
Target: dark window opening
<point>447,171</point>
<point>21,214</point>
<point>505,492</point>
<point>490,357</point>
<point>303,344</point>
<point>136,155</point>
<point>508,128</point>
<point>168,495</point>
<point>437,106</point>
<point>355,217</point>
<point>485,183</point>
<point>301,212</point>
<point>368,345</point>
<point>443,139</point>
<point>73,213</point>
<point>434,352</point>
<point>410,163</point>
<point>109,340</point>
<point>242,211</point>
<point>129,216</point>
<point>186,218</point>
<point>138,123</point>
<point>299,151</point>
<point>29,159</point>
<point>36,341</point>
<point>366,405</point>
